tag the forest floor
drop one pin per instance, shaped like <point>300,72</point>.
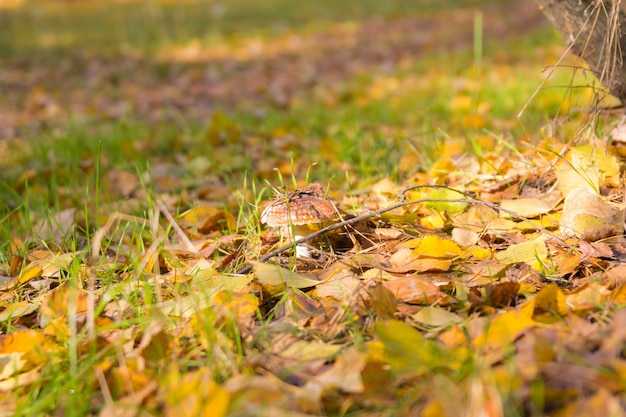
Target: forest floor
<point>472,267</point>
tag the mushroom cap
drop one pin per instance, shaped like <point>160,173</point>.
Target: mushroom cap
<point>300,207</point>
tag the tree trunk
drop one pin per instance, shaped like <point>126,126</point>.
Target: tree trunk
<point>594,29</point>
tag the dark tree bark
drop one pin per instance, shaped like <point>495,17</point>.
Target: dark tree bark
<point>595,31</point>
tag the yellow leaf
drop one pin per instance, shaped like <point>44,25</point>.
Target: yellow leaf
<point>199,214</point>
<point>474,121</point>
<point>436,316</point>
<point>503,330</point>
<point>526,207</point>
<point>436,247</point>
<point>240,305</point>
<point>532,252</point>
<point>441,169</point>
<point>432,222</point>
<point>57,302</point>
<point>480,253</point>
<point>409,353</point>
<point>586,166</point>
<point>194,394</point>
<point>34,270</point>
<point>269,274</point>
<point>447,194</point>
<point>19,309</point>
<point>202,293</point>
<point>550,299</point>
<point>34,345</point>
<point>302,350</point>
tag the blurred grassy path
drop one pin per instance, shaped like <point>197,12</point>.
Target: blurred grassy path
<point>246,73</point>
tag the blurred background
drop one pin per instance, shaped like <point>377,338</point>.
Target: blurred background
<point>201,99</point>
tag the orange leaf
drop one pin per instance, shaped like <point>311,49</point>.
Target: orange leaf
<point>413,289</point>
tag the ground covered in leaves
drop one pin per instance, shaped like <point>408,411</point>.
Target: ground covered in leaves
<point>467,272</point>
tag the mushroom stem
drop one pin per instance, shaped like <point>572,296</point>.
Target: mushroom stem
<point>297,232</point>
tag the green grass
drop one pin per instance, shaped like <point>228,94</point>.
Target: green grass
<point>368,125</point>
<point>48,27</point>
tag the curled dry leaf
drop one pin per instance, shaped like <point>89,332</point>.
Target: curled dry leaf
<point>585,213</point>
<point>413,289</point>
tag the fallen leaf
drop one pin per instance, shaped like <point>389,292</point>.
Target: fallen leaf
<point>345,374</point>
<point>413,289</point>
<point>526,207</point>
<point>269,274</point>
<point>56,226</point>
<point>502,330</point>
<point>302,350</point>
<point>436,317</point>
<point>409,353</point>
<point>193,393</point>
<point>584,211</point>
<point>550,299</point>
<point>533,252</point>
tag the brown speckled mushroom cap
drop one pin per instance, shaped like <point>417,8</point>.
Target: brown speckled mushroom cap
<point>300,207</point>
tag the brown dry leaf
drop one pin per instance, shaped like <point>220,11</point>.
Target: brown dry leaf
<point>584,211</point>
<point>591,295</point>
<point>345,374</point>
<point>413,289</point>
<point>502,295</point>
<point>383,301</point>
<point>603,403</point>
<point>269,396</point>
<point>221,221</point>
<point>62,302</point>
<point>21,380</point>
<point>595,249</point>
<point>340,287</point>
<point>56,226</point>
<point>122,183</point>
<point>465,237</point>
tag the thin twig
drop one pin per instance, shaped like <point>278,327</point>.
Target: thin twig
<point>469,199</point>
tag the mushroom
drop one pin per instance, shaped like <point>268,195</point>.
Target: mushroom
<point>295,211</point>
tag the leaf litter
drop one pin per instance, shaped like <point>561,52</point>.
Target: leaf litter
<point>392,296</point>
<point>486,285</point>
